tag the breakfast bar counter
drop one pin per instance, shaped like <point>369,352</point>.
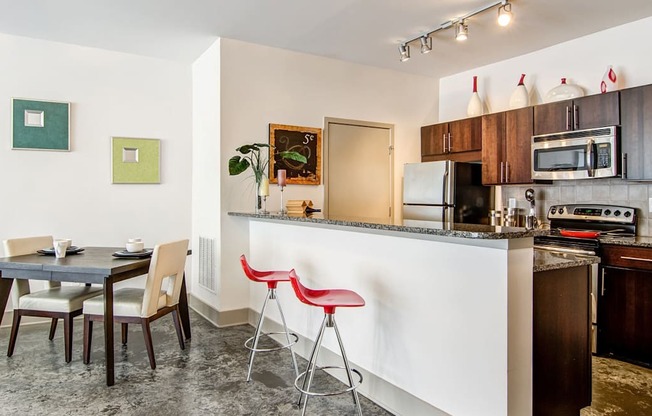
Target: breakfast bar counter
<point>447,326</point>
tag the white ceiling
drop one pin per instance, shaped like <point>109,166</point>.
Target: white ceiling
<point>362,31</point>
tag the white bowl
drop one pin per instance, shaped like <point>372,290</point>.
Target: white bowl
<point>135,247</point>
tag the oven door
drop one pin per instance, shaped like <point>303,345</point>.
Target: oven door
<point>574,158</point>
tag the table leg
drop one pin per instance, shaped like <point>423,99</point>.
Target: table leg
<point>108,330</point>
<point>5,290</point>
<point>184,314</point>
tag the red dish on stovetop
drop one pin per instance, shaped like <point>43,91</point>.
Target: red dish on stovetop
<point>579,233</point>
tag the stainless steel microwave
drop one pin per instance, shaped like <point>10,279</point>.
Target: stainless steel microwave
<point>579,154</point>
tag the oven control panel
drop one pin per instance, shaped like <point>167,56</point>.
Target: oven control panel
<point>593,212</point>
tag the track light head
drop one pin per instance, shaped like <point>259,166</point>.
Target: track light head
<point>404,50</point>
<point>461,30</point>
<point>505,14</point>
<point>426,44</point>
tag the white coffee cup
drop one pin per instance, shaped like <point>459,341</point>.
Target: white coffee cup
<point>60,247</point>
<point>135,246</point>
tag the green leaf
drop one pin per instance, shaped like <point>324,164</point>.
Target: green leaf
<point>293,156</point>
<point>237,165</point>
<point>247,148</point>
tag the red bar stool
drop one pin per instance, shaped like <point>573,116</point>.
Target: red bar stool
<point>329,299</point>
<point>271,278</point>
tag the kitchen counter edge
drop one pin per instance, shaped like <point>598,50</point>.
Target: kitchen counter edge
<point>547,260</point>
<point>473,231</point>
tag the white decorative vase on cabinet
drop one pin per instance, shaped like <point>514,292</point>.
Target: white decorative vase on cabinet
<point>475,107</point>
<point>609,81</point>
<point>520,97</point>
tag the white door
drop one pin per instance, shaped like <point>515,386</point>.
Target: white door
<point>359,170</point>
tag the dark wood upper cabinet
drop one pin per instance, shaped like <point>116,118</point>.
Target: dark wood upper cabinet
<point>506,144</point>
<point>598,110</point>
<point>636,132</point>
<point>452,138</point>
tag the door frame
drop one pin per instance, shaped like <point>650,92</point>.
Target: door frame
<point>358,123</point>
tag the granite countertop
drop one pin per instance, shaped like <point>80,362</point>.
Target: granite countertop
<point>548,260</point>
<point>476,231</point>
<point>638,241</point>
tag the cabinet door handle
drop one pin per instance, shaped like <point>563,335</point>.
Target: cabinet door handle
<point>576,116</point>
<point>568,117</point>
<point>450,147</point>
<point>624,165</point>
<point>502,177</point>
<point>443,141</point>
<point>636,259</point>
<point>602,285</point>
<point>506,171</point>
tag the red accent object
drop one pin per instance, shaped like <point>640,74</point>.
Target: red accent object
<point>603,87</point>
<point>522,78</point>
<point>563,80</point>
<point>475,83</point>
<point>579,233</point>
<point>270,277</point>
<point>328,299</point>
<point>612,75</point>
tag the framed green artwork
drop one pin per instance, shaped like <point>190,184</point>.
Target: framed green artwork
<point>40,125</point>
<point>136,160</point>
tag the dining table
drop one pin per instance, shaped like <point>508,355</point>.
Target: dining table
<point>93,265</point>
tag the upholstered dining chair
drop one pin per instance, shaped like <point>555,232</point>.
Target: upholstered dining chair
<point>56,301</point>
<point>142,306</point>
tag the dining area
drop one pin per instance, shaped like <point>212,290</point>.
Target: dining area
<point>81,281</point>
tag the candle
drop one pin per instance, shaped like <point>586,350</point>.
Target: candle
<point>281,175</point>
<point>263,190</point>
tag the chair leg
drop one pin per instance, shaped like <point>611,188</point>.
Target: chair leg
<point>356,399</point>
<point>125,330</point>
<point>177,327</point>
<point>67,336</point>
<point>252,354</point>
<point>53,328</point>
<point>287,336</point>
<point>14,332</point>
<point>88,337</point>
<point>148,342</point>
<point>312,365</point>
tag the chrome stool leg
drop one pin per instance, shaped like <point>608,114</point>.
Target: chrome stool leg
<point>329,321</point>
<point>287,335</point>
<point>271,294</point>
<point>356,399</point>
<point>257,334</point>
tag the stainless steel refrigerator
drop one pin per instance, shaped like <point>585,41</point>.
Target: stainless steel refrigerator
<point>446,191</point>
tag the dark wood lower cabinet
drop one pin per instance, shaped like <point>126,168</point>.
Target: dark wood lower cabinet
<point>561,342</point>
<point>625,315</point>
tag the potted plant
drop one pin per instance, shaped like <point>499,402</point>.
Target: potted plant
<point>250,157</point>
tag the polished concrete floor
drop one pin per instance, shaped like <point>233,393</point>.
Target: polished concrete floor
<point>209,378</point>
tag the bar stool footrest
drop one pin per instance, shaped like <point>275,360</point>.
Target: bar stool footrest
<point>248,343</point>
<point>333,393</point>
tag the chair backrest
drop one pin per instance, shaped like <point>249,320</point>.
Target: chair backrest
<point>302,292</point>
<point>20,247</point>
<point>168,260</point>
<point>251,273</point>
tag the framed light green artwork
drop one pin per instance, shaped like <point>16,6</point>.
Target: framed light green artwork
<point>136,160</point>
<point>40,125</point>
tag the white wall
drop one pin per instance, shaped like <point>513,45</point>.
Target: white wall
<point>262,85</point>
<point>206,166</point>
<point>111,94</point>
<point>583,61</point>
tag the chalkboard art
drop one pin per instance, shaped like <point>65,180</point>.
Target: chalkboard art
<point>303,140</point>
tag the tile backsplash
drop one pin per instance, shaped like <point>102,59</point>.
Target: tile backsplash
<point>594,191</point>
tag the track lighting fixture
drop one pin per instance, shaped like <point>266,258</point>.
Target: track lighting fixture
<point>460,24</point>
<point>461,30</point>
<point>505,13</point>
<point>405,51</point>
<point>426,44</point>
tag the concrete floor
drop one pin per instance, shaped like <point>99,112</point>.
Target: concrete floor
<point>209,378</point>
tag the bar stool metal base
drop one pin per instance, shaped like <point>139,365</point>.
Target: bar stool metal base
<point>307,376</point>
<point>271,294</point>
